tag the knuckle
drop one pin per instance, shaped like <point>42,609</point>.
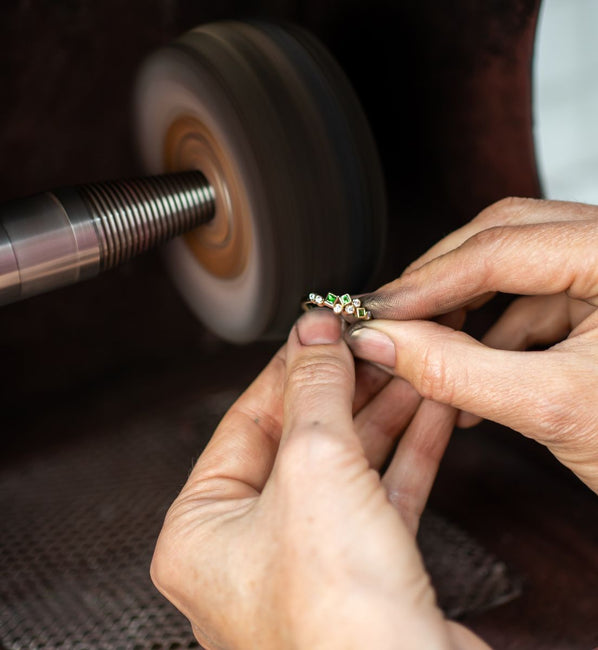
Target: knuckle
<point>313,372</point>
<point>167,564</point>
<point>303,461</point>
<point>160,574</point>
<point>305,452</point>
<point>434,381</point>
<point>483,250</point>
<point>508,210</point>
<point>488,238</point>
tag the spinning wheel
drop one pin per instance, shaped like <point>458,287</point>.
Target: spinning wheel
<point>290,196</point>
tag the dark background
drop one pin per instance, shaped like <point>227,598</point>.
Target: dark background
<point>446,87</point>
<point>446,91</point>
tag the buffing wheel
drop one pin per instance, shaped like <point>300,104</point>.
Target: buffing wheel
<point>269,118</point>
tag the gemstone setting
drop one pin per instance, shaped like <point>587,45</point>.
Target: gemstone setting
<point>344,305</point>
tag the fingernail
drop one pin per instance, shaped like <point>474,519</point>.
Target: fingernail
<point>319,327</point>
<point>372,345</point>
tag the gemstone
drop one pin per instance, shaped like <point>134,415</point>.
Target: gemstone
<point>356,302</point>
<point>361,312</point>
<point>350,309</point>
<point>312,296</point>
<point>368,315</point>
<point>331,299</point>
<point>337,308</point>
<point>319,300</point>
<point>346,299</point>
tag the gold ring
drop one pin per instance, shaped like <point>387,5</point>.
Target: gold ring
<point>345,306</point>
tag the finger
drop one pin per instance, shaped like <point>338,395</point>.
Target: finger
<point>464,638</point>
<point>369,381</point>
<point>536,259</point>
<point>467,420</point>
<point>532,321</point>
<point>410,475</point>
<point>529,321</point>
<point>522,390</point>
<point>239,457</point>
<point>454,319</point>
<point>319,385</point>
<point>512,211</point>
<point>480,302</point>
<point>384,419</point>
<point>585,323</point>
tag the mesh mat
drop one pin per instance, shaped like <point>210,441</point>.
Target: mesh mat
<point>79,526</point>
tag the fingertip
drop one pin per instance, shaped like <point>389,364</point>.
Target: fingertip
<point>385,341</point>
<point>320,378</point>
<point>392,301</point>
<point>372,345</point>
<point>318,327</point>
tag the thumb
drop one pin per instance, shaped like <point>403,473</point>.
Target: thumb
<point>512,388</point>
<point>319,383</point>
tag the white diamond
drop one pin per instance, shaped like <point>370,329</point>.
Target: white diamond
<point>319,300</point>
<point>356,302</point>
<point>368,315</point>
<point>350,309</point>
<point>312,296</point>
<point>337,308</point>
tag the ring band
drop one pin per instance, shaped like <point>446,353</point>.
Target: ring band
<point>343,305</point>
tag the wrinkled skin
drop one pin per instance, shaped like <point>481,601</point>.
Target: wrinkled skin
<point>286,536</point>
<point>547,251</point>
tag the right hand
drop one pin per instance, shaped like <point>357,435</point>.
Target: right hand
<point>286,535</point>
<point>545,250</point>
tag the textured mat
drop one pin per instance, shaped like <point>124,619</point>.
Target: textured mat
<point>79,526</point>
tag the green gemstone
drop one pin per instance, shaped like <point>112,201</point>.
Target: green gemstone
<point>360,312</point>
<point>346,299</point>
<point>331,299</point>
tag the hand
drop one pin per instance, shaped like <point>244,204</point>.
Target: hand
<point>546,250</point>
<point>285,536</point>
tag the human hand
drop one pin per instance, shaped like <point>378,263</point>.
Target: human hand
<point>286,536</point>
<point>545,250</point>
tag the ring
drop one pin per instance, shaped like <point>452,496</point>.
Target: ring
<point>344,305</point>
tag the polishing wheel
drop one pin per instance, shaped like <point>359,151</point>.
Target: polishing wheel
<point>262,134</point>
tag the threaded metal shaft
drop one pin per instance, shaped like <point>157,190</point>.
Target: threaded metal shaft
<point>134,215</point>
<point>56,238</point>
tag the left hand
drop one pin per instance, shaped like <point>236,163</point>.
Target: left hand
<point>546,251</point>
<point>286,536</point>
